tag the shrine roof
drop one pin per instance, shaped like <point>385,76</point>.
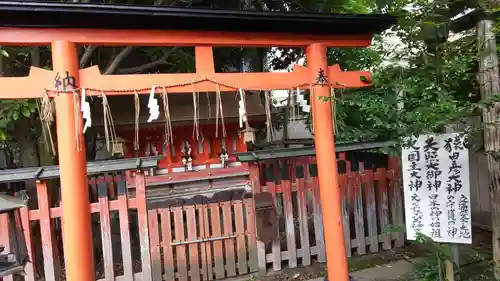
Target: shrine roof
<point>106,16</point>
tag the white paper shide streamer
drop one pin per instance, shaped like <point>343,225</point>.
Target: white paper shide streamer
<point>242,109</point>
<point>85,108</point>
<point>154,108</point>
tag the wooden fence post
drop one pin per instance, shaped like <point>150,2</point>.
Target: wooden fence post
<point>256,188</point>
<point>142,216</point>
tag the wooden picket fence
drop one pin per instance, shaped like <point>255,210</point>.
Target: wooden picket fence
<point>371,203</point>
<point>204,241</point>
<point>134,241</point>
<point>47,263</point>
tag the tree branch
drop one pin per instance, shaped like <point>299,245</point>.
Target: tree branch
<point>87,55</point>
<point>146,66</point>
<point>118,59</point>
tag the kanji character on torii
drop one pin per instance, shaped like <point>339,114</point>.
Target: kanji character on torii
<point>92,24</point>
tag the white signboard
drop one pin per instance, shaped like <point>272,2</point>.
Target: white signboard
<point>437,188</point>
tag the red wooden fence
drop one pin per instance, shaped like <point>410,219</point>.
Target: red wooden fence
<point>372,201</point>
<point>133,242</point>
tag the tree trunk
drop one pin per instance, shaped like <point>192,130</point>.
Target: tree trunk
<point>489,87</point>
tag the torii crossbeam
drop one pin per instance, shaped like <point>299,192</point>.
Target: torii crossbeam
<point>63,26</point>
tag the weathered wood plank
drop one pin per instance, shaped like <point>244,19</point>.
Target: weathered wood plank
<point>276,247</point>
<point>318,219</point>
<point>346,222</point>
<point>124,230</point>
<point>240,238</point>
<point>142,217</point>
<point>355,186</point>
<point>5,239</point>
<point>290,227</point>
<point>105,223</point>
<point>383,207</point>
<point>228,243</point>
<point>166,238</point>
<point>50,261</point>
<point>155,245</point>
<point>194,263</point>
<point>205,247</point>
<point>253,255</point>
<point>371,209</point>
<point>29,268</point>
<point>217,232</point>
<point>303,221</point>
<point>180,250</point>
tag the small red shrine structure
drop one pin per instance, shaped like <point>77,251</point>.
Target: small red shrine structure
<point>64,26</point>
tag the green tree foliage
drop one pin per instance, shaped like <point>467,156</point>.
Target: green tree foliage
<point>430,75</point>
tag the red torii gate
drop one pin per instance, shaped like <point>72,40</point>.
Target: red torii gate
<point>92,24</point>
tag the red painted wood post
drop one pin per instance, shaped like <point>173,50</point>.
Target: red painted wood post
<point>105,222</point>
<point>76,217</point>
<point>327,165</point>
<point>30,266</point>
<point>5,239</point>
<point>142,215</point>
<point>124,229</point>
<point>50,255</point>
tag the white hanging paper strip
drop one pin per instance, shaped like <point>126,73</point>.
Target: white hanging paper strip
<point>300,98</point>
<point>154,108</point>
<point>85,108</point>
<point>306,108</point>
<point>242,110</point>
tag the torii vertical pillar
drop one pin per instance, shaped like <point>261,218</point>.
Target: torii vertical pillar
<point>76,221</point>
<point>327,168</point>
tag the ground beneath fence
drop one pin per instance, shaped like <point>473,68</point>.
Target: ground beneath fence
<point>356,263</point>
<point>398,264</point>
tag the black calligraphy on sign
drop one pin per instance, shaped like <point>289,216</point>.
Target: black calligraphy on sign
<point>454,146</point>
<point>435,215</point>
<point>452,220</point>
<point>463,207</point>
<point>415,182</point>
<point>433,170</point>
<point>67,82</point>
<point>417,214</point>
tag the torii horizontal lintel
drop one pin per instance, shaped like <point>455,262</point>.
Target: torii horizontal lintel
<point>12,36</point>
<point>41,80</point>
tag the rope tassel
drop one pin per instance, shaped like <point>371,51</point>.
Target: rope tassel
<point>169,137</point>
<point>109,126</point>
<point>219,112</point>
<point>46,111</point>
